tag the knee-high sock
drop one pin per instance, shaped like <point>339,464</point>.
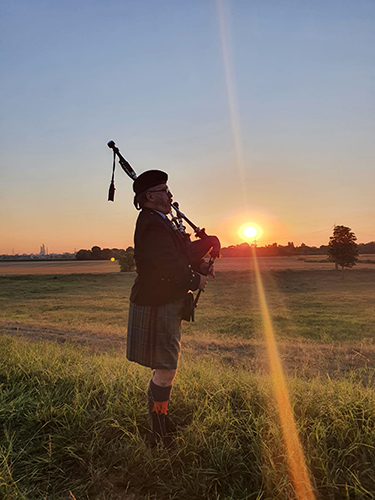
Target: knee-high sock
<point>158,399</point>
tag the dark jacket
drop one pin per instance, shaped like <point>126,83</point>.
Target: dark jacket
<point>164,271</point>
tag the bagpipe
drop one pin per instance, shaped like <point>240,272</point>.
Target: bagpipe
<point>197,249</point>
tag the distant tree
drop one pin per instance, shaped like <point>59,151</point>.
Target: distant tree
<point>367,247</point>
<point>127,262</point>
<point>96,253</point>
<point>83,254</point>
<point>290,249</point>
<point>106,254</point>
<point>303,249</point>
<point>342,247</point>
<point>117,253</point>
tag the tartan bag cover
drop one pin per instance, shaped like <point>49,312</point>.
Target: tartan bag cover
<point>154,335</point>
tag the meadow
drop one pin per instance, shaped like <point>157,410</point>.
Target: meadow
<point>73,415</point>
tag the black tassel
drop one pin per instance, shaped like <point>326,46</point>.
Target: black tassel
<point>111,192</point>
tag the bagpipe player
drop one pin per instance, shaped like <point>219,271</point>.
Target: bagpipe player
<point>169,268</point>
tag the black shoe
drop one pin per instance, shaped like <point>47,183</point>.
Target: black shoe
<point>152,439</point>
<point>170,427</point>
<point>169,442</point>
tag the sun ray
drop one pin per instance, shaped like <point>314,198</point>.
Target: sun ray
<point>296,459</point>
<point>232,100</point>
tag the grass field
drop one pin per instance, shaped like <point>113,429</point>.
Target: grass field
<point>312,262</point>
<point>72,408</point>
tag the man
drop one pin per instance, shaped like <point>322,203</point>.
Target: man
<point>159,295</point>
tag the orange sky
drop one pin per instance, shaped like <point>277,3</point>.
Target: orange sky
<point>260,113</point>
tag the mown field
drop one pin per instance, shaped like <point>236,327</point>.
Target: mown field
<point>73,413</point>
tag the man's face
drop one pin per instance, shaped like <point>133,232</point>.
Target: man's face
<point>160,198</point>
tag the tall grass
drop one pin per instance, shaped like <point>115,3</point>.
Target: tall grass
<point>75,422</point>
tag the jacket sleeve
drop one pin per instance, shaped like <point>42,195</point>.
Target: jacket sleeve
<point>162,262</point>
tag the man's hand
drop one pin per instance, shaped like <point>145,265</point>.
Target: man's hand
<point>207,269</point>
<point>203,282</point>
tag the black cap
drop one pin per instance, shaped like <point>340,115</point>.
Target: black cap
<point>148,180</point>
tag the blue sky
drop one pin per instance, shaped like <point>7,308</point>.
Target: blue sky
<point>150,76</point>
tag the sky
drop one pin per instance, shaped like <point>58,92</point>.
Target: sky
<point>261,112</point>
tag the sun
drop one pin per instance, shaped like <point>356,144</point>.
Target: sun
<point>250,232</point>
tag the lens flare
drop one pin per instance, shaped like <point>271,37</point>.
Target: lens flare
<point>232,99</point>
<point>296,459</point>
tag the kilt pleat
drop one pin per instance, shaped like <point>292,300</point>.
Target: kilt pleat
<point>154,335</point>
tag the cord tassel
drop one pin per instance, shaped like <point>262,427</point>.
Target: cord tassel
<point>111,192</point>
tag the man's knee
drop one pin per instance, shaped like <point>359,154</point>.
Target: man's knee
<point>164,378</point>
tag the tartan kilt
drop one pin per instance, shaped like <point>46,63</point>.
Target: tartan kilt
<point>154,335</point>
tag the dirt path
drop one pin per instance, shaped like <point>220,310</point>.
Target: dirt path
<point>298,357</point>
<point>92,340</point>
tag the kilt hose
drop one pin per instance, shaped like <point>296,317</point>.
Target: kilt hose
<point>154,335</point>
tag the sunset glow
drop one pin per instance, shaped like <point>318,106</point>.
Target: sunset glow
<point>247,147</point>
<point>250,232</point>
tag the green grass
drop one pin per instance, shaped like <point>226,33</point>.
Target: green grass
<point>71,421</point>
<point>315,305</point>
<point>71,301</point>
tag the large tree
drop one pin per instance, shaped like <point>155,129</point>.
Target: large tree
<point>342,247</point>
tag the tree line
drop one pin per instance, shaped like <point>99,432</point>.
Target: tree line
<point>124,257</point>
<point>97,253</point>
<point>342,249</point>
<point>275,250</point>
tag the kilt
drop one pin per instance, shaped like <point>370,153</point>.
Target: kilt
<point>154,335</point>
